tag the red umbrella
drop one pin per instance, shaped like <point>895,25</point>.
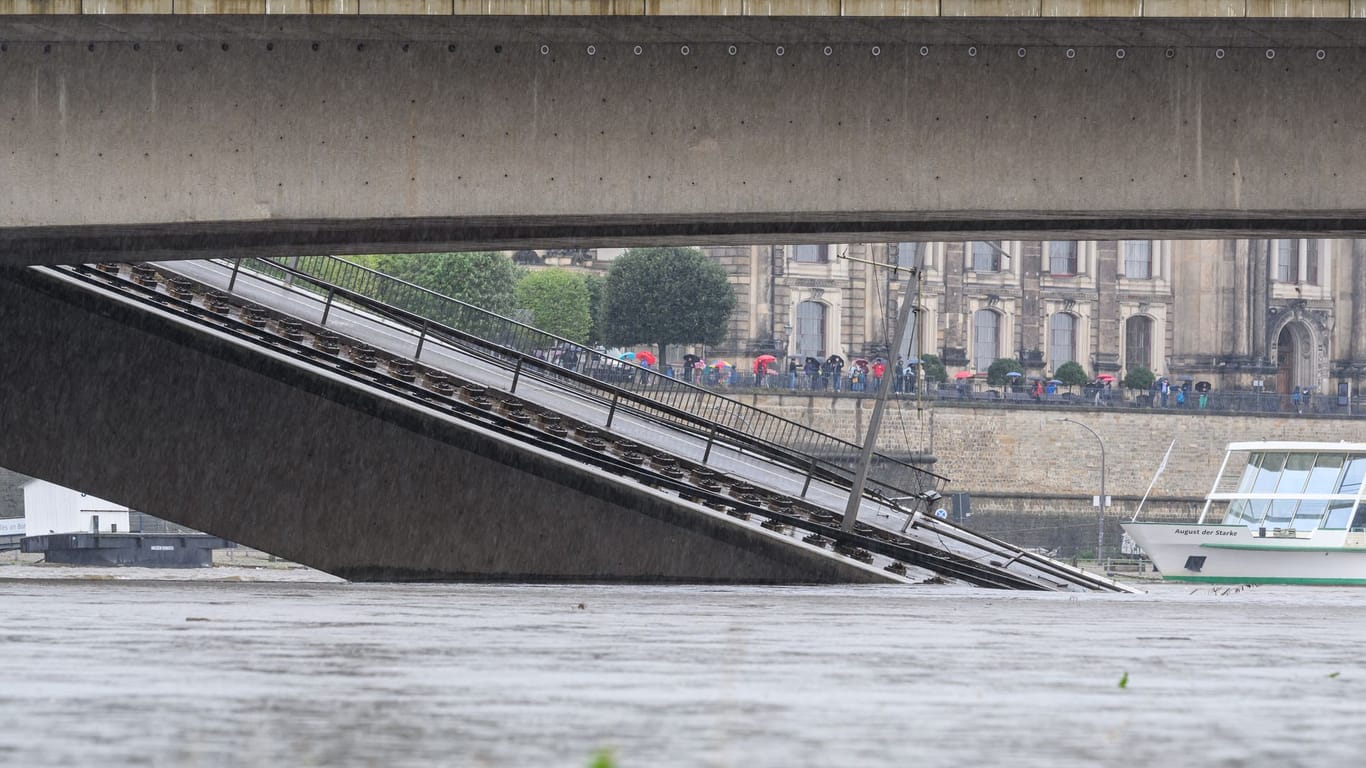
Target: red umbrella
<point>963,375</point>
<point>646,356</point>
<point>1105,377</point>
<point>765,359</point>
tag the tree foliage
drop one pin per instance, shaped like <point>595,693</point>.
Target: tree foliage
<point>1139,377</point>
<point>558,301</point>
<point>1072,374</point>
<point>483,278</point>
<point>666,296</point>
<point>996,372</point>
<point>932,369</point>
<point>597,286</point>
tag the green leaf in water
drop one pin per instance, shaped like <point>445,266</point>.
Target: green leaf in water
<point>1334,675</point>
<point>1124,680</point>
<point>603,759</point>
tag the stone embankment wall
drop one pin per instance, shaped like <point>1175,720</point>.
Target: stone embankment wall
<point>1032,478</point>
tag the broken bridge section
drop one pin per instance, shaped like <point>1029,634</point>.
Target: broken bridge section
<point>193,409</point>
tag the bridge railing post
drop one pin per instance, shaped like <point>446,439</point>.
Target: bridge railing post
<point>327,307</point>
<point>811,469</point>
<point>232,281</point>
<point>612,412</point>
<point>421,339</point>
<point>711,440</point>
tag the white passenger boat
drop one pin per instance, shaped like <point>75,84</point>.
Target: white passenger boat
<point>1279,513</point>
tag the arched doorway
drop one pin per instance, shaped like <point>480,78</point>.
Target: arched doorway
<point>1294,347</point>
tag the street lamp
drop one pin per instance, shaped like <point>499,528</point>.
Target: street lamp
<point>1100,501</point>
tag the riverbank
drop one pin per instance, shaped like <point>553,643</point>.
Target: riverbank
<point>239,564</point>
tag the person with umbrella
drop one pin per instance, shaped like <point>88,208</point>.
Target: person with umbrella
<point>960,382</point>
<point>724,372</point>
<point>761,368</point>
<point>813,371</point>
<point>690,362</point>
<point>836,364</point>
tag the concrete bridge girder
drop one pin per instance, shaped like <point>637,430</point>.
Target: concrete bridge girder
<point>246,135</point>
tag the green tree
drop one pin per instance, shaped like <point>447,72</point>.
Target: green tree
<point>558,301</point>
<point>933,369</point>
<point>996,372</point>
<point>1139,377</point>
<point>1072,374</point>
<point>483,278</point>
<point>597,286</point>
<point>666,296</point>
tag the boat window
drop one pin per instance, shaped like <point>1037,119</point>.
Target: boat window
<point>1249,473</point>
<point>1324,477</point>
<point>1270,474</point>
<point>1351,478</point>
<point>1339,512</point>
<point>1359,520</point>
<point>1309,514</point>
<point>1255,511</point>
<point>1237,512</point>
<point>1280,514</point>
<point>1295,473</point>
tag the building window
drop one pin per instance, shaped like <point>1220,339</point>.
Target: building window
<point>1285,256</point>
<point>1062,339</point>
<point>810,329</point>
<point>1138,342</point>
<point>909,254</point>
<point>809,254</point>
<point>986,334</point>
<point>1138,259</point>
<point>986,256</point>
<point>1062,257</point>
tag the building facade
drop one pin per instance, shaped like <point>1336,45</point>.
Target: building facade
<point>1276,314</point>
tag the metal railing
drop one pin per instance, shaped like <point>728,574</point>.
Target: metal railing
<point>626,386</point>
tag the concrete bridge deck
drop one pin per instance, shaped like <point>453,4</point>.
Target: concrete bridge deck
<point>181,135</point>
<point>915,8</point>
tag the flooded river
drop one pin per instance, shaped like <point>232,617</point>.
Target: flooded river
<point>311,672</point>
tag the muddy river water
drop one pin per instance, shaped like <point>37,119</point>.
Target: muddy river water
<point>312,672</point>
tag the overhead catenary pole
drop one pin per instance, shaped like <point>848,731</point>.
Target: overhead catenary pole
<point>875,421</point>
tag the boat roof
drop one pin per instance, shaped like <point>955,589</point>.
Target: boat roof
<point>1296,446</point>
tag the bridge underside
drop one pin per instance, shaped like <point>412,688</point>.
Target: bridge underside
<point>134,137</point>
